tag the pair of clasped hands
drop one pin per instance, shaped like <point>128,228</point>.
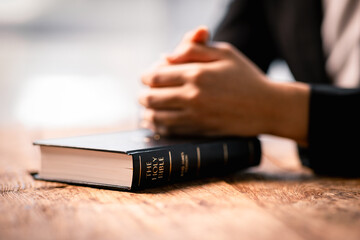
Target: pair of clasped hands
<point>208,89</point>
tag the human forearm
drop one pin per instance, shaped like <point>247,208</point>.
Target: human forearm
<point>289,108</point>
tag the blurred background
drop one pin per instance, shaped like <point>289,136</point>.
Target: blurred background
<point>77,63</point>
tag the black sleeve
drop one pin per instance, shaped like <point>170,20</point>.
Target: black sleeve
<point>334,130</point>
<point>244,25</point>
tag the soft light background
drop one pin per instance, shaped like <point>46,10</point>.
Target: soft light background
<point>77,63</point>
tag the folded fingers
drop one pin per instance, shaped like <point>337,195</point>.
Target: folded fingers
<point>164,98</point>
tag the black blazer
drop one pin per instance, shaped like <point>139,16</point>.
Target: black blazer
<point>265,30</point>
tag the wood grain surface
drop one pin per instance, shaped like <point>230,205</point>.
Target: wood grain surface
<point>277,200</point>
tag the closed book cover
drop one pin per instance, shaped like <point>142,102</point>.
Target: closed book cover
<point>140,159</point>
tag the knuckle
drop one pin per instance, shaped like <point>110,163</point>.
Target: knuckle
<point>193,74</point>
<point>197,76</point>
<point>227,48</point>
<point>193,96</point>
<point>151,78</point>
<point>154,79</point>
<point>148,100</point>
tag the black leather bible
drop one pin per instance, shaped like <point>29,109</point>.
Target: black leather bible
<point>140,159</point>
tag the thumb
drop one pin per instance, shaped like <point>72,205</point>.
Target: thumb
<point>193,52</point>
<point>199,36</point>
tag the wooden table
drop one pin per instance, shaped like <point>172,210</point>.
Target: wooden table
<point>277,200</point>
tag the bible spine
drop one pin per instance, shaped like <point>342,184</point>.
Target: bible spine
<point>188,161</point>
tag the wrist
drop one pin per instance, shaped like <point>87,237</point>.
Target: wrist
<point>288,110</point>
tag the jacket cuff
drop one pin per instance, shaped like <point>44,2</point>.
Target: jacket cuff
<point>334,128</point>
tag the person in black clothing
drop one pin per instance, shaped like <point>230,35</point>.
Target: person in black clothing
<point>219,87</point>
